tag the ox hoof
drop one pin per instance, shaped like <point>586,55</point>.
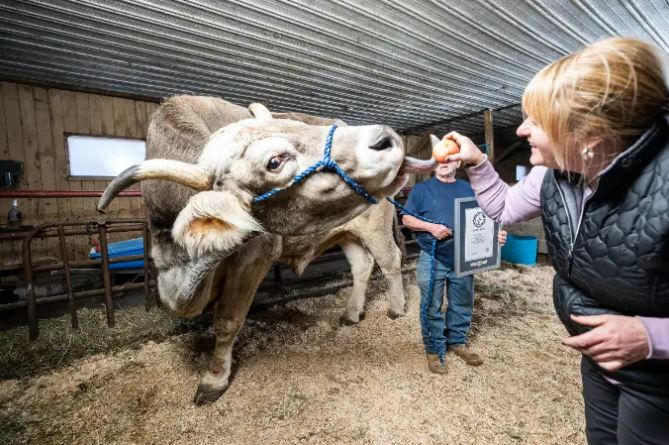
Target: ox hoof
<point>347,320</point>
<point>205,394</point>
<point>392,314</point>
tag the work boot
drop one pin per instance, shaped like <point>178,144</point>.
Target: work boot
<point>435,365</point>
<point>466,354</point>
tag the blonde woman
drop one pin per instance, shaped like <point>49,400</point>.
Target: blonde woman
<point>597,125</point>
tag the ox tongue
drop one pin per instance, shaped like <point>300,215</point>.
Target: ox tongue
<point>413,165</point>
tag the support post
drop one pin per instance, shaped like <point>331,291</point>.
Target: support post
<point>489,135</point>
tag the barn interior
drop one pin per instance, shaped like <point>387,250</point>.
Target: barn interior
<point>99,69</point>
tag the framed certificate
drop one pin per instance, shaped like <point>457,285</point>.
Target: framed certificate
<point>476,244</point>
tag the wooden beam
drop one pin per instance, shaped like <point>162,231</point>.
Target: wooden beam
<point>489,135</point>
<point>508,152</point>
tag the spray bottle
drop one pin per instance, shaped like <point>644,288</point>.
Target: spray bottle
<point>14,217</point>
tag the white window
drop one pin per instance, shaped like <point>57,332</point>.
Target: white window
<point>100,157</point>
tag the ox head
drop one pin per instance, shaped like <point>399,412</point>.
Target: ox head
<point>252,156</point>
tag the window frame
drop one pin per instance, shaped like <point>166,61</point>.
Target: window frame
<point>70,176</point>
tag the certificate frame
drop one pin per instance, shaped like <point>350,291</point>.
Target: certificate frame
<point>463,266</point>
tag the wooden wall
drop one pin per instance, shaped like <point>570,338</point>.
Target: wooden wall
<point>34,122</point>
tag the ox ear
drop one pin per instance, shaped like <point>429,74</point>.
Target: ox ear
<point>213,222</point>
<point>260,112</point>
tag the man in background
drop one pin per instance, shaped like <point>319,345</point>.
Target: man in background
<point>435,200</point>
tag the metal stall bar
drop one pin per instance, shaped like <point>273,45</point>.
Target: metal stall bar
<point>33,329</point>
<point>68,277</point>
<point>104,256</point>
<point>147,273</point>
<point>77,295</point>
<point>57,229</point>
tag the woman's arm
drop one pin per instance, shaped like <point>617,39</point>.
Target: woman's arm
<point>616,341</point>
<point>658,336</point>
<point>502,203</point>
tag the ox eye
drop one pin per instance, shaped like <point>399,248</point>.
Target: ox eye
<point>276,162</point>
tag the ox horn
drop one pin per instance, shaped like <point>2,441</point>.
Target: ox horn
<point>260,112</point>
<point>184,173</point>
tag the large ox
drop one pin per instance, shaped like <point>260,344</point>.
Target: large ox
<point>211,242</point>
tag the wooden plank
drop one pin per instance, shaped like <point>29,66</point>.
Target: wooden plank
<point>49,208</point>
<point>134,132</point>
<point>108,129</point>
<point>95,107</point>
<point>123,207</point>
<point>4,146</point>
<point>489,134</point>
<point>33,208</point>
<point>95,122</point>
<point>69,102</point>
<point>120,208</point>
<point>10,94</point>
<point>120,122</point>
<point>131,119</point>
<point>110,120</point>
<point>85,206</point>
<point>30,207</point>
<point>142,120</point>
<point>151,108</point>
<point>96,119</point>
<point>83,113</point>
<point>59,150</point>
<point>107,115</point>
<point>70,121</point>
<point>14,130</point>
<point>104,112</point>
<point>7,254</point>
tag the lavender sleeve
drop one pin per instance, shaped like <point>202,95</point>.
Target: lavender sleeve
<point>658,336</point>
<point>503,203</point>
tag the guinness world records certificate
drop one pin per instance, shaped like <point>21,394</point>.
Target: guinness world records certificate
<point>476,244</point>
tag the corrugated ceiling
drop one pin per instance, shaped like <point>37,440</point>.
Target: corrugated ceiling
<point>415,65</point>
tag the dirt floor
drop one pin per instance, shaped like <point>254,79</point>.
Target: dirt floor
<point>301,378</point>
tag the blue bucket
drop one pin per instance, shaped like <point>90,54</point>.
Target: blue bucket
<point>520,249</point>
<point>121,249</point>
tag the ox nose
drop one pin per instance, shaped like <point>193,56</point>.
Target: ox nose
<point>386,139</point>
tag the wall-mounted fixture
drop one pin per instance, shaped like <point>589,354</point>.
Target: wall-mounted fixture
<point>10,173</point>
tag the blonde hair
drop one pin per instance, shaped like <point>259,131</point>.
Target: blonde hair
<point>610,91</point>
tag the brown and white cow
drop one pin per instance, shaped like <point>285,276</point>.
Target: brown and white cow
<point>211,243</point>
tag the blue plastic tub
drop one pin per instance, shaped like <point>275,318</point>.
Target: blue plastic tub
<point>121,249</point>
<point>520,249</point>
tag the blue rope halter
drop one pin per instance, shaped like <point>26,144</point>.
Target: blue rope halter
<point>324,165</point>
<point>327,164</point>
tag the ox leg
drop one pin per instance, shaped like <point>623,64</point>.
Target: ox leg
<point>233,306</point>
<point>362,263</point>
<point>389,258</point>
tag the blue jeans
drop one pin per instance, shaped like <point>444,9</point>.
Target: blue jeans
<point>452,327</point>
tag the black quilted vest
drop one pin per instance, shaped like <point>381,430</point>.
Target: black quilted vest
<point>614,256</point>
